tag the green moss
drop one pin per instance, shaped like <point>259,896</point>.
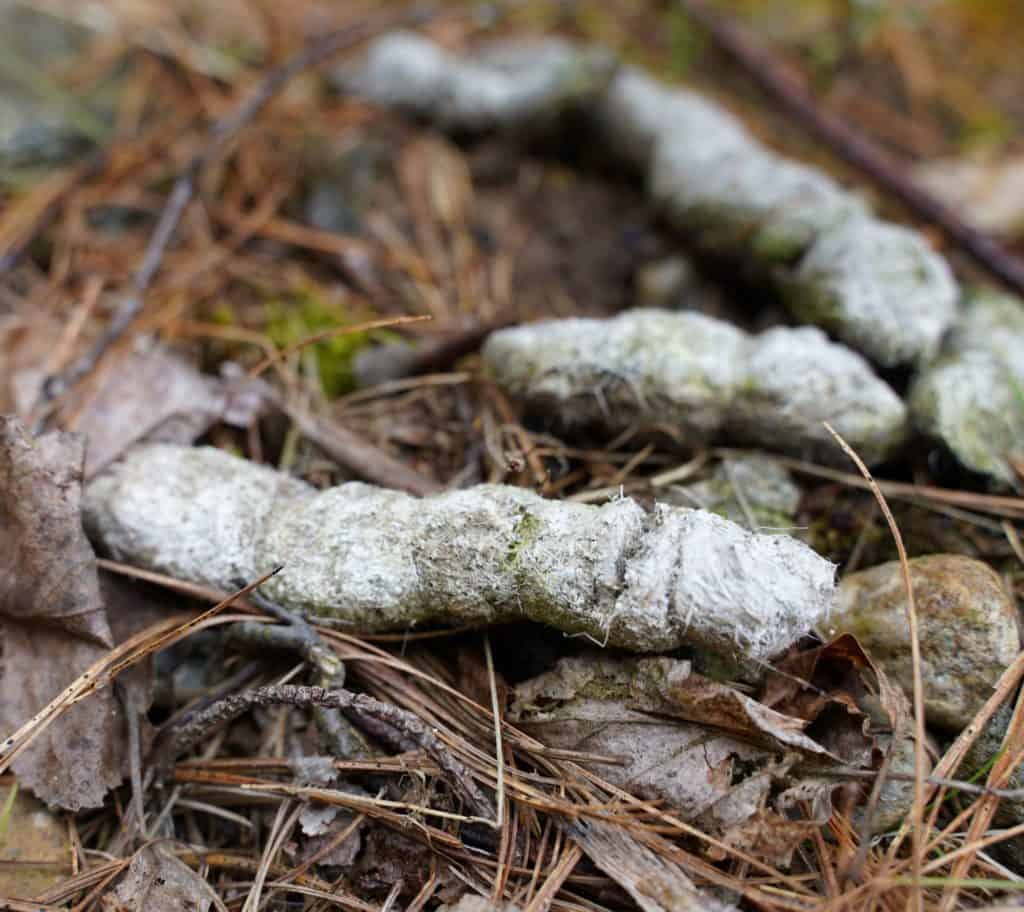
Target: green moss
<point>223,315</point>
<point>298,316</point>
<point>525,534</point>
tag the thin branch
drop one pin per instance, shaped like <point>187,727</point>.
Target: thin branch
<point>199,725</point>
<point>222,131</point>
<point>854,148</point>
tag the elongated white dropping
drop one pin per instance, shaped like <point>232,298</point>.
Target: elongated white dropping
<point>382,559</point>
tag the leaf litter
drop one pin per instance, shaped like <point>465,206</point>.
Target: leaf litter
<point>554,776</point>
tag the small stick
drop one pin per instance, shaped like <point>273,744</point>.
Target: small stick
<point>197,727</point>
<point>771,76</point>
<point>356,454</point>
<point>220,134</point>
<point>393,362</point>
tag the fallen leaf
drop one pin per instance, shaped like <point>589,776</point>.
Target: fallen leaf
<point>853,710</point>
<point>156,881</point>
<point>35,846</point>
<point>55,624</point>
<point>584,704</point>
<point>670,688</point>
<point>47,566</point>
<point>153,395</point>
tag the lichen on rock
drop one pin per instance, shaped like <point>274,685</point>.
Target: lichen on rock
<point>381,559</point>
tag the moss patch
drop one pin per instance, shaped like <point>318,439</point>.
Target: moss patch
<point>305,313</point>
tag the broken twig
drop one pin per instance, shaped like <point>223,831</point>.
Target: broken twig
<point>852,146</point>
<point>220,134</point>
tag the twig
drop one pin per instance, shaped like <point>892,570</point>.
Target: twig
<point>196,728</point>
<point>392,362</point>
<point>772,77</point>
<point>220,134</point>
<point>354,453</point>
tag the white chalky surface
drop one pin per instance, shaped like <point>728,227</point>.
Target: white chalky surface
<point>507,85</point>
<point>386,560</point>
<point>699,378</point>
<point>972,396</point>
<point>878,287</point>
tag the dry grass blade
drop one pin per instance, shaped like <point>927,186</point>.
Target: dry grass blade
<point>382,323</point>
<point>123,656</point>
<point>916,816</point>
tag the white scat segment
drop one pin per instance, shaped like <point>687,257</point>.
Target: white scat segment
<point>698,571</point>
<point>797,380</point>
<point>382,559</point>
<point>700,378</point>
<point>876,286</point>
<point>504,85</point>
<point>880,288</point>
<point>683,367</point>
<point>972,396</point>
<point>346,547</point>
<point>166,504</point>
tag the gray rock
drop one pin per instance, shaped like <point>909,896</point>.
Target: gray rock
<point>879,287</point>
<point>967,623</point>
<point>382,559</point>
<point>972,397</point>
<point>698,378</point>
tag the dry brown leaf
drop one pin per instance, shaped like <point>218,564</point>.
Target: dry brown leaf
<point>47,566</point>
<point>55,624</point>
<point>35,848</point>
<point>670,688</point>
<point>156,881</point>
<point>154,395</point>
<point>583,705</point>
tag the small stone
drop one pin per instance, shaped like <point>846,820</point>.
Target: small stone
<point>967,624</point>
<point>972,398</point>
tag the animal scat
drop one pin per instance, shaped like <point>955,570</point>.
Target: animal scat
<point>381,559</point>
